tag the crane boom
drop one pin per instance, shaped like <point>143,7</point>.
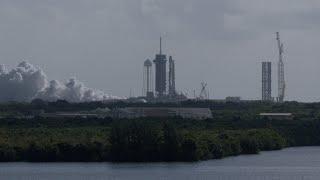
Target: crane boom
<point>281,80</point>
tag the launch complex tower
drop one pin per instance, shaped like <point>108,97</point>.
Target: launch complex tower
<point>162,93</point>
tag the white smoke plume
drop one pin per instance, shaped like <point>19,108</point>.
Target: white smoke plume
<point>27,82</point>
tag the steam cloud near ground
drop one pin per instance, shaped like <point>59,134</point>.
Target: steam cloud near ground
<point>27,82</point>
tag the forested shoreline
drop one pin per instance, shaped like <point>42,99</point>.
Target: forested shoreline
<point>235,129</point>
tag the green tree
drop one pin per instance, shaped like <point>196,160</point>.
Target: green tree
<point>170,142</point>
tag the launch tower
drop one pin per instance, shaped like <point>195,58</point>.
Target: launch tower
<point>266,81</point>
<point>160,68</point>
<point>147,79</point>
<point>172,83</point>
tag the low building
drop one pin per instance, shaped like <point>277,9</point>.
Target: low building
<point>97,113</point>
<point>188,113</point>
<point>71,115</point>
<point>286,116</point>
<point>136,112</point>
<point>233,99</point>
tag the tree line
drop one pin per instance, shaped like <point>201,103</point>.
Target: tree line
<point>234,129</point>
<point>132,141</point>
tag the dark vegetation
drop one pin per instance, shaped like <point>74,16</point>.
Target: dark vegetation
<point>235,129</point>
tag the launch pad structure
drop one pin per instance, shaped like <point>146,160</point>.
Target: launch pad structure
<point>266,81</point>
<point>162,93</point>
<point>266,76</point>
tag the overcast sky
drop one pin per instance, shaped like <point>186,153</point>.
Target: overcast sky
<point>222,42</point>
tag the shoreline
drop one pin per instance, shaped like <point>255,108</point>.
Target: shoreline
<point>153,162</point>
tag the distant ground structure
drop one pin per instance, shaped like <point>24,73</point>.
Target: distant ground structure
<point>71,115</point>
<point>204,93</point>
<point>233,99</point>
<point>278,116</point>
<point>188,113</point>
<point>97,113</point>
<point>135,112</point>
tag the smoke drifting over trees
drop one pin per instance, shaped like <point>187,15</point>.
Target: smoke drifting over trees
<point>27,82</point>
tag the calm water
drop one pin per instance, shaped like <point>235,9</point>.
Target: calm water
<point>289,164</point>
